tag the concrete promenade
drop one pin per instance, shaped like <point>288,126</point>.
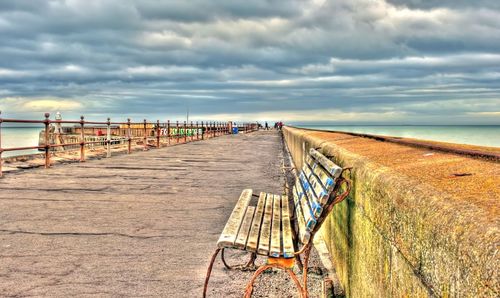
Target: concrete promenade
<point>133,225</point>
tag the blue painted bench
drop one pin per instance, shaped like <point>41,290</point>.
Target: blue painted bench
<point>280,228</point>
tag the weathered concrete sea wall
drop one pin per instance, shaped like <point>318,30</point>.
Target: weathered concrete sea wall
<point>409,227</point>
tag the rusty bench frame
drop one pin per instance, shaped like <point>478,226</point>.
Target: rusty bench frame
<point>284,263</point>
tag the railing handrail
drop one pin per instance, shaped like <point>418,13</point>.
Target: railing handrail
<point>208,129</point>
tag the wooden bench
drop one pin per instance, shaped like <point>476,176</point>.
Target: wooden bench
<point>280,228</point>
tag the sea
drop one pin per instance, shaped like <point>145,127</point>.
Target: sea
<point>482,135</point>
<point>19,137</point>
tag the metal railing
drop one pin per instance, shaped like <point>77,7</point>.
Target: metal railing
<point>127,132</point>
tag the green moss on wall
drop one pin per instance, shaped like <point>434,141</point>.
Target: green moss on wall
<point>396,238</point>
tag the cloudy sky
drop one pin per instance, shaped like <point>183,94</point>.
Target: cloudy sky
<point>342,61</point>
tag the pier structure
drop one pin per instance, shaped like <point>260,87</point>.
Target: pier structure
<point>85,135</point>
<point>133,225</point>
<point>421,220</point>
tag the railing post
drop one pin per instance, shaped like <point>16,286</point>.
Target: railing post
<point>191,131</point>
<point>145,139</point>
<point>129,135</point>
<point>157,134</point>
<point>82,137</point>
<point>197,131</point>
<point>177,131</point>
<point>185,132</point>
<point>108,138</point>
<point>168,132</point>
<point>202,130</point>
<point>1,150</point>
<point>47,141</point>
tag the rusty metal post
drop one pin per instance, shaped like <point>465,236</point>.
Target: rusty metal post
<point>202,130</point>
<point>108,138</point>
<point>168,132</point>
<point>197,131</point>
<point>157,133</point>
<point>82,137</point>
<point>185,132</point>
<point>1,150</point>
<point>145,139</point>
<point>47,141</point>
<point>129,136</point>
<point>191,131</point>
<point>177,130</point>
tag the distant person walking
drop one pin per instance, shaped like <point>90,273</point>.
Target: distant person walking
<point>266,126</point>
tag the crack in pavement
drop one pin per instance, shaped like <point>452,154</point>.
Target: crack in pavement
<point>78,234</point>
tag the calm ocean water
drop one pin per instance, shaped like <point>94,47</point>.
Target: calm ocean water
<point>482,135</point>
<point>19,137</point>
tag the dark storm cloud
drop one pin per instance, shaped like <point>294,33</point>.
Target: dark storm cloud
<point>346,60</point>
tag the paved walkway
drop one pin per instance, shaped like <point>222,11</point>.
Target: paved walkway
<point>133,225</point>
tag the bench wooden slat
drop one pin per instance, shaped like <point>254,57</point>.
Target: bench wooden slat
<point>327,181</point>
<point>304,235</point>
<point>329,165</point>
<point>230,232</point>
<point>288,249</point>
<point>312,199</point>
<point>310,161</point>
<point>242,238</point>
<point>253,238</point>
<point>304,201</point>
<point>276,228</point>
<point>265,230</point>
<point>322,185</point>
<point>306,170</point>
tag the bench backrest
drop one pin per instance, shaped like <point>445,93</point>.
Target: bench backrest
<point>312,193</point>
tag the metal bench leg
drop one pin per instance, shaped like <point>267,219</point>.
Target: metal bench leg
<point>299,263</point>
<point>209,271</point>
<point>304,271</point>
<point>249,287</point>
<point>250,265</point>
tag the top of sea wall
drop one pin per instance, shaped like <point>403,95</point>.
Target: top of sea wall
<point>440,210</point>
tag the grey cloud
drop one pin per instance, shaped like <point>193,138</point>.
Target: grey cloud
<point>427,4</point>
<point>224,57</point>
